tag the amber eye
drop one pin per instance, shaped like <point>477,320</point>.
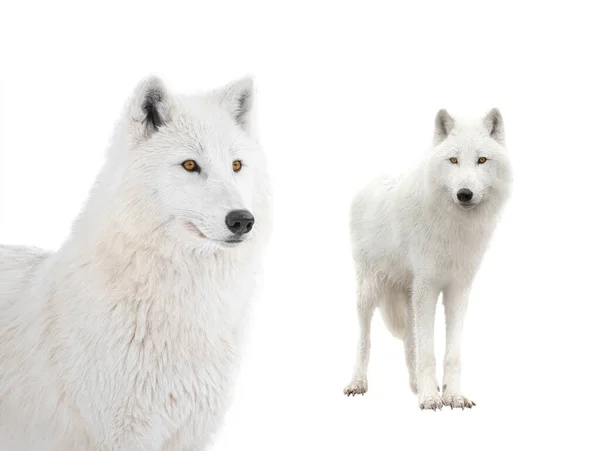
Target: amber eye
<point>453,160</point>
<point>236,165</point>
<point>190,166</point>
<point>482,160</point>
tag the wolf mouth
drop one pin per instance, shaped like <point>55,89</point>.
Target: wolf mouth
<point>229,243</point>
<point>194,229</point>
<point>225,243</point>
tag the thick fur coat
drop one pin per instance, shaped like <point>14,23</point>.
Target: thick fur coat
<point>128,337</point>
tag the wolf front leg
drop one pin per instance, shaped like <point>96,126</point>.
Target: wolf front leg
<point>456,297</point>
<point>423,301</point>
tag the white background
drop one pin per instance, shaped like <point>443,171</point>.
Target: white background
<point>348,91</point>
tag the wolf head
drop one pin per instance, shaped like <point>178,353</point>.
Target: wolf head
<point>468,166</point>
<point>189,166</point>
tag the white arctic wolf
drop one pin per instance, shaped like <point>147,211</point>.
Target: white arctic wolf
<point>425,234</point>
<point>128,337</point>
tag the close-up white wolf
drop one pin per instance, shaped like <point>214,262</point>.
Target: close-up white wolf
<point>423,234</point>
<point>128,337</point>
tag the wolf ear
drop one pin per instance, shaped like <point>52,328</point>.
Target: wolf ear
<point>444,123</point>
<point>495,125</point>
<point>238,99</point>
<point>149,108</point>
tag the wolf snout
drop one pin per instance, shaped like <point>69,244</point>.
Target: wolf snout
<point>464,195</point>
<point>239,222</point>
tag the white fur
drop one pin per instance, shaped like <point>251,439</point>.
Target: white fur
<point>128,337</point>
<point>412,240</point>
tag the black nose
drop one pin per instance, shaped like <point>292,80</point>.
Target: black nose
<point>239,221</point>
<point>464,195</point>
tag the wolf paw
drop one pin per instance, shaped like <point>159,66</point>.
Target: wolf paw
<point>431,403</point>
<point>457,401</point>
<point>356,387</point>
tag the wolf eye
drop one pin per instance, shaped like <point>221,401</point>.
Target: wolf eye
<point>236,165</point>
<point>482,160</point>
<point>453,160</point>
<point>190,166</point>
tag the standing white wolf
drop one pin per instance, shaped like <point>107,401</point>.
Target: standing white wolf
<point>416,237</point>
<point>128,337</point>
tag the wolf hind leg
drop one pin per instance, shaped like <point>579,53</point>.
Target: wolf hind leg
<point>369,290</point>
<point>393,310</point>
<point>396,316</point>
